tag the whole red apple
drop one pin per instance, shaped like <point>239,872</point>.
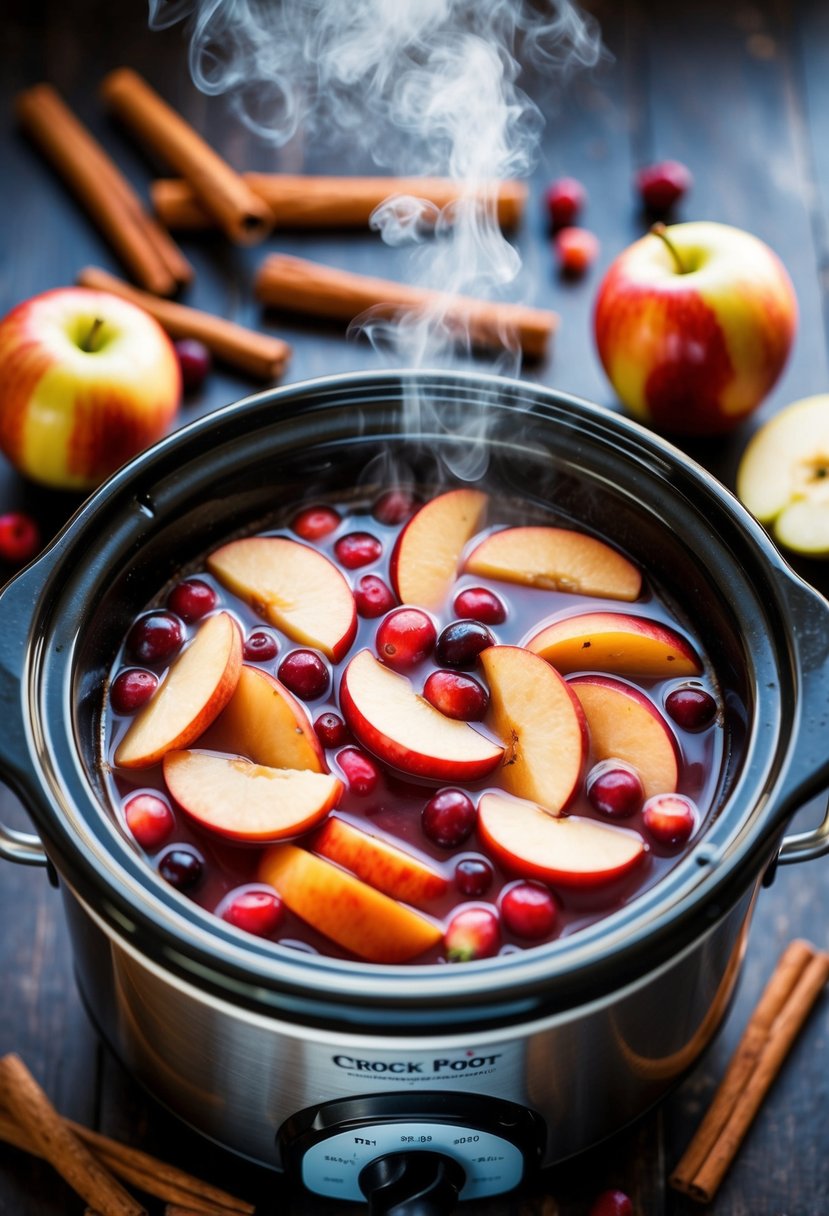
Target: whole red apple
<point>693,325</point>
<point>87,380</point>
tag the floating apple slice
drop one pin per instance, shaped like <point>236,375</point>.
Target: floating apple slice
<point>425,559</point>
<point>535,711</point>
<point>379,863</point>
<point>245,801</point>
<point>567,849</point>
<point>293,586</point>
<point>266,723</point>
<point>351,913</point>
<point>615,642</point>
<point>402,728</point>
<point>556,559</point>
<point>625,725</point>
<point>198,685</point>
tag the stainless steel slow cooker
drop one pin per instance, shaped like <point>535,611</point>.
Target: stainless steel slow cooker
<point>349,1074</point>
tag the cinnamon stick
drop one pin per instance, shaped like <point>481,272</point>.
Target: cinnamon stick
<point>798,980</point>
<point>299,201</point>
<point>296,285</point>
<point>259,355</point>
<point>240,213</point>
<point>148,252</point>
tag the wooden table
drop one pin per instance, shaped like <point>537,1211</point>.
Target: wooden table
<point>738,92</point>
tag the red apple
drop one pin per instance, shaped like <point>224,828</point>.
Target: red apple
<point>615,642</point>
<point>425,559</point>
<point>87,380</point>
<point>555,559</point>
<point>266,723</point>
<point>382,865</point>
<point>693,336</point>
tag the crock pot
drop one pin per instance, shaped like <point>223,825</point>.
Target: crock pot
<point>396,1081</point>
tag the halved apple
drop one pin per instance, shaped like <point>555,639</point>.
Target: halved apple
<point>568,850</point>
<point>245,801</point>
<point>541,721</point>
<point>266,723</point>
<point>555,559</point>
<point>350,912</point>
<point>198,685</point>
<point>390,719</point>
<point>378,862</point>
<point>625,725</point>
<point>293,586</point>
<point>425,559</point>
<point>615,642</point>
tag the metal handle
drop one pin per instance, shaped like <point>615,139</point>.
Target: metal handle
<point>23,847</point>
<point>805,846</point>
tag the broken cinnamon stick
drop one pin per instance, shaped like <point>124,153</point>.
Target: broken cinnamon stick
<point>221,191</point>
<point>299,201</point>
<point>259,355</point>
<point>296,285</point>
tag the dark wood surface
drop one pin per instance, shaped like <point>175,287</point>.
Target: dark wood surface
<point>740,92</point>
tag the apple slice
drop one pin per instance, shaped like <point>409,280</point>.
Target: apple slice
<point>556,559</point>
<point>266,723</point>
<point>294,587</point>
<point>534,709</point>
<point>567,849</point>
<point>245,801</point>
<point>389,718</point>
<point>615,642</point>
<point>425,559</point>
<point>379,863</point>
<point>351,913</point>
<point>198,685</point>
<point>625,725</point>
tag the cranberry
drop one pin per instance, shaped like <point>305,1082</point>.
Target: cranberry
<point>195,362</point>
<point>480,604</point>
<point>615,789</point>
<point>260,646</point>
<point>472,933</point>
<point>461,642</point>
<point>305,674</point>
<point>565,199</point>
<point>691,708</point>
<point>192,599</point>
<point>612,1203</point>
<point>373,597</point>
<point>315,522</point>
<point>663,184</point>
<point>576,250</point>
<point>331,730</point>
<point>361,773</point>
<point>257,911</point>
<point>669,818</point>
<point>19,538</point>
<point>394,507</point>
<point>529,910</point>
<point>405,637</point>
<point>155,636</point>
<point>182,867</point>
<point>473,876</point>
<point>456,696</point>
<point>131,689</point>
<point>449,817</point>
<point>357,549</point>
<point>149,818</point>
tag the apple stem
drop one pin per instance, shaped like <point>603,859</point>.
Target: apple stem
<point>660,230</point>
<point>88,343</point>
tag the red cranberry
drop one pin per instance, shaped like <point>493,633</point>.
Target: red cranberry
<point>615,789</point>
<point>195,362</point>
<point>331,730</point>
<point>691,708</point>
<point>612,1203</point>
<point>256,911</point>
<point>461,642</point>
<point>361,773</point>
<point>357,549</point>
<point>305,674</point>
<point>373,597</point>
<point>405,637</point>
<point>449,817</point>
<point>529,910</point>
<point>456,696</point>
<point>565,199</point>
<point>155,636</point>
<point>576,250</point>
<point>472,933</point>
<point>260,646</point>
<point>663,184</point>
<point>19,538</point>
<point>480,604</point>
<point>669,818</point>
<point>149,818</point>
<point>182,867</point>
<point>192,599</point>
<point>394,507</point>
<point>315,522</point>
<point>131,689</point>
<point>473,876</point>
